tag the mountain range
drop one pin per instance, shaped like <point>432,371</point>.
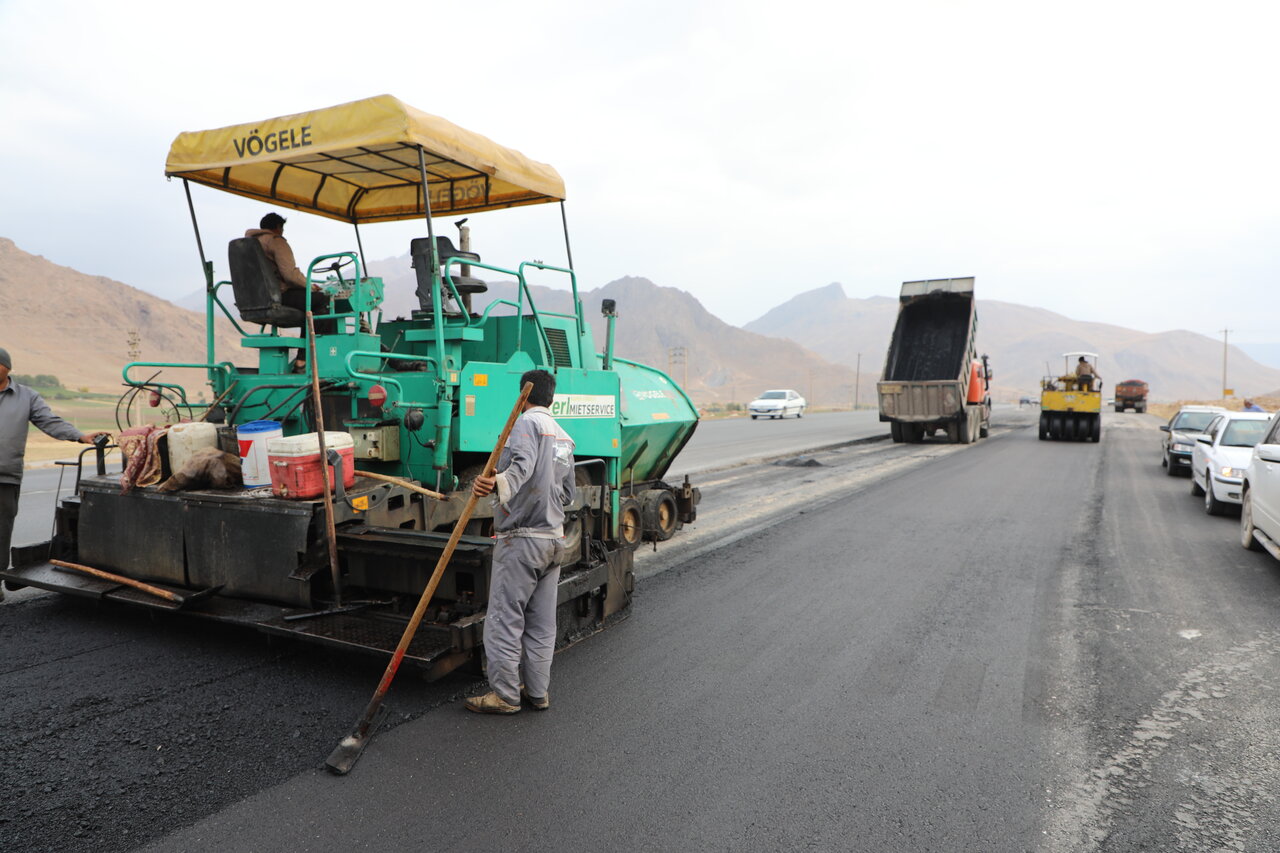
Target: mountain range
<point>76,326</point>
<point>84,329</point>
<point>1025,344</point>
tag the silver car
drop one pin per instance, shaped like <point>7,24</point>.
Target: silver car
<point>777,404</point>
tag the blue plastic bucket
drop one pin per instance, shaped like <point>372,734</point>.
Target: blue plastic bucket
<point>252,438</point>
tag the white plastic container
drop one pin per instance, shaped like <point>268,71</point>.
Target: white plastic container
<point>186,439</point>
<point>253,437</point>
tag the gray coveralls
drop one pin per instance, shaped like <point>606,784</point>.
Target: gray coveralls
<point>535,483</point>
<point>19,406</point>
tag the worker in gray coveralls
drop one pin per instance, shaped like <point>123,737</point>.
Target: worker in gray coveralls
<point>534,483</point>
<point>19,406</point>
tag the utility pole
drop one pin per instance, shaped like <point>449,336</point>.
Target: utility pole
<point>857,383</point>
<point>677,356</point>
<point>1225,333</point>
<point>134,352</point>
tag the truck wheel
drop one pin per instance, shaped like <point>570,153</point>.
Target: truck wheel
<point>1069,433</point>
<point>953,431</point>
<point>1119,408</point>
<point>1097,428</point>
<point>895,432</point>
<point>658,513</point>
<point>630,522</point>
<point>1044,427</point>
<point>1140,408</point>
<point>964,430</point>
<point>1246,523</point>
<point>753,417</point>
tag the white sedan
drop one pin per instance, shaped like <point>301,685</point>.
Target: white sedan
<point>1260,509</point>
<point>777,404</point>
<point>1221,455</point>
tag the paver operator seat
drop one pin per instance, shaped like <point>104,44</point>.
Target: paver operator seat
<point>419,251</point>
<point>257,290</point>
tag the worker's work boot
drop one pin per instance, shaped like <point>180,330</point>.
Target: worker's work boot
<point>539,703</point>
<point>491,703</point>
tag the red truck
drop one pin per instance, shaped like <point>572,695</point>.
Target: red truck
<point>1131,394</point>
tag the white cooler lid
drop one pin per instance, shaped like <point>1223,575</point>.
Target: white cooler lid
<point>308,444</point>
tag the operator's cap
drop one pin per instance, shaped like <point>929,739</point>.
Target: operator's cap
<point>4,358</point>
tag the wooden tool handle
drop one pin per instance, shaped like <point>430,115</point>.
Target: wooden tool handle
<point>401,481</point>
<point>459,526</point>
<point>221,397</point>
<point>145,587</point>
<point>330,533</point>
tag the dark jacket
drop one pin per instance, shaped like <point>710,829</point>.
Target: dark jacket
<point>280,255</point>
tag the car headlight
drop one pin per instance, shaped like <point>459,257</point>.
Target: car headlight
<point>1228,471</point>
<point>1185,448</point>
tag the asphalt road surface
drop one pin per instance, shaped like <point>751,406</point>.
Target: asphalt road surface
<point>1016,645</point>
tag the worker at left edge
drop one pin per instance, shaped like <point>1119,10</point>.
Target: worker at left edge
<point>20,406</point>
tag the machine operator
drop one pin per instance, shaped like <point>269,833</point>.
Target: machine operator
<point>1086,373</point>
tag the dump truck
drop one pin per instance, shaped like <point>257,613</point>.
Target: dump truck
<point>1131,394</point>
<point>1071,404</point>
<point>420,401</point>
<point>934,380</point>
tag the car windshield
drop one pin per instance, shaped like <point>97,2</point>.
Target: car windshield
<point>1193,421</point>
<point>1243,433</point>
<point>774,395</point>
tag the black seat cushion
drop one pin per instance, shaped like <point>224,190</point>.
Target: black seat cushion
<point>257,290</point>
<point>419,252</point>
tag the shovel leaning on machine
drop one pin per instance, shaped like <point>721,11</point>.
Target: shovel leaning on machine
<point>349,749</point>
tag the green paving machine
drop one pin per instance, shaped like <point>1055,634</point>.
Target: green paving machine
<point>423,398</point>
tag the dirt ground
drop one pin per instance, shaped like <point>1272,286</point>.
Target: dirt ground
<point>1235,404</point>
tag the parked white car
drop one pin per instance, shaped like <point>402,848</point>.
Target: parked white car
<point>777,404</point>
<point>1221,455</point>
<point>1260,496</point>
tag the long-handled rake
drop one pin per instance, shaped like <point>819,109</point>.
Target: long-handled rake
<point>349,749</point>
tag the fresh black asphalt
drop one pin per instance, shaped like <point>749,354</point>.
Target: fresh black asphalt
<point>1018,645</point>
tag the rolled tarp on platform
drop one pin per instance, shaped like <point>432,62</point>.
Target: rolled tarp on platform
<point>358,162</point>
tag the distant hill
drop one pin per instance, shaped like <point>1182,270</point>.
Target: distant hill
<point>77,327</point>
<point>1020,340</point>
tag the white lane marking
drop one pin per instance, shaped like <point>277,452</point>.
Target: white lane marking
<point>1189,634</point>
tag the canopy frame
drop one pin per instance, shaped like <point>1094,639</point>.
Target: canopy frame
<point>361,162</point>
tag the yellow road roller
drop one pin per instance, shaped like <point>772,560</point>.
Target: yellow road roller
<point>1071,402</point>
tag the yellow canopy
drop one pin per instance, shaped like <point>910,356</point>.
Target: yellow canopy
<point>358,162</point>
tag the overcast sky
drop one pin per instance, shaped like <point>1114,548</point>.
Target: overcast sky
<point>1111,161</point>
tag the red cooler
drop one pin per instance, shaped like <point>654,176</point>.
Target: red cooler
<point>295,464</point>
